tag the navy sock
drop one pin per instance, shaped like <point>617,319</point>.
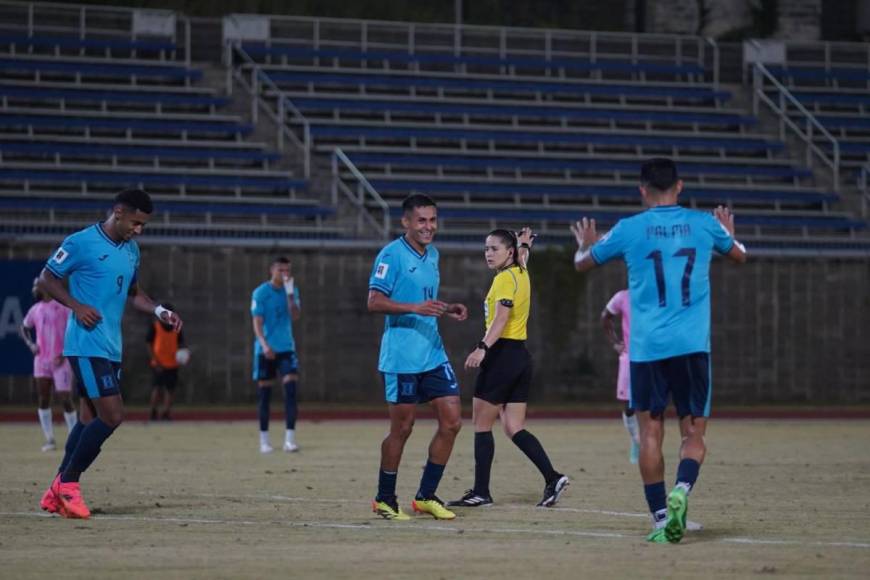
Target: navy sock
<point>484,451</point>
<point>90,443</point>
<point>429,482</point>
<point>290,404</point>
<point>72,441</point>
<point>687,473</point>
<point>530,445</point>
<point>264,398</point>
<point>656,500</point>
<point>387,485</point>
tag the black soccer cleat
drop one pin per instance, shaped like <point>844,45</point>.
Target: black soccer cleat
<point>553,490</point>
<point>471,499</point>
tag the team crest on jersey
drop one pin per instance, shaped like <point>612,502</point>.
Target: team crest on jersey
<point>60,256</point>
<point>381,270</point>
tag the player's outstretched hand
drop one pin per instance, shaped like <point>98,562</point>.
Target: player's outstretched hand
<point>585,233</point>
<point>725,217</point>
<point>431,308</point>
<point>457,311</point>
<point>173,319</point>
<point>525,236</point>
<point>87,316</point>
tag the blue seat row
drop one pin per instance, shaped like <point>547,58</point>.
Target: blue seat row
<point>122,151</point>
<point>111,96</point>
<point>526,111</point>
<point>567,63</point>
<point>165,177</point>
<point>534,190</point>
<point>67,41</point>
<point>751,144</point>
<point>542,163</point>
<point>34,203</point>
<point>610,217</point>
<point>824,98</point>
<point>818,73</point>
<point>144,124</point>
<point>99,69</point>
<point>534,86</point>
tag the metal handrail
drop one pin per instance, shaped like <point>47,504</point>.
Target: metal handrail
<point>254,88</point>
<point>760,74</point>
<point>360,198</point>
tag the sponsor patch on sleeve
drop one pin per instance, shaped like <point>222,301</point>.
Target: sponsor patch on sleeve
<point>381,270</point>
<point>60,256</point>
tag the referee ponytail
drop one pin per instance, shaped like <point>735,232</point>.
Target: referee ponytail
<point>509,239</point>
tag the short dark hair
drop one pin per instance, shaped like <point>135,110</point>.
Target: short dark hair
<point>659,174</point>
<point>416,200</point>
<point>135,199</point>
<point>280,260</point>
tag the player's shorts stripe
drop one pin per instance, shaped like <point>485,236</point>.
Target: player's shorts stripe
<point>709,402</point>
<point>87,374</point>
<point>391,382</point>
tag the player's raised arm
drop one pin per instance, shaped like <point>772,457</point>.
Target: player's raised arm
<point>737,253</point>
<point>525,239</point>
<point>143,303</point>
<point>586,235</point>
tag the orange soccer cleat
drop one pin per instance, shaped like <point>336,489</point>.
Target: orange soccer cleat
<point>71,503</point>
<point>50,501</point>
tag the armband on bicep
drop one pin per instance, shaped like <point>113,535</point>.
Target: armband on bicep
<point>506,303</point>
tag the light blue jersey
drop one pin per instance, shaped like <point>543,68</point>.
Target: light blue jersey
<point>100,273</point>
<point>271,303</point>
<point>667,251</point>
<point>411,343</point>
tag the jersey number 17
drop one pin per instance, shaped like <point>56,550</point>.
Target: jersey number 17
<point>685,284</point>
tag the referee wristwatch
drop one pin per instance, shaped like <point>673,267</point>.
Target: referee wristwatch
<point>483,346</point>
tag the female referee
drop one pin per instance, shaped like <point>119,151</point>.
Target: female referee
<point>502,387</point>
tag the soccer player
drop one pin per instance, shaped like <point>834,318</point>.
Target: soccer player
<point>100,264</point>
<point>667,250</point>
<point>163,344</point>
<point>619,305</point>
<point>275,304</point>
<point>50,369</point>
<point>505,376</point>
<point>404,286</point>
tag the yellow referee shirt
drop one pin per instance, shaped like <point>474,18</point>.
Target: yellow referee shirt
<point>512,287</point>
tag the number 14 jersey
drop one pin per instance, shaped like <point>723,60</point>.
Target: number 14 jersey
<point>100,273</point>
<point>667,251</point>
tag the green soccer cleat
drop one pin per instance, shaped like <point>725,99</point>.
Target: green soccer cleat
<point>389,510</point>
<point>657,536</point>
<point>678,504</point>
<point>434,507</point>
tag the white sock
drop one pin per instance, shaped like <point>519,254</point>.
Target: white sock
<point>71,419</point>
<point>264,438</point>
<point>45,423</point>
<point>631,426</point>
<point>290,437</point>
<point>660,518</point>
<point>684,486</point>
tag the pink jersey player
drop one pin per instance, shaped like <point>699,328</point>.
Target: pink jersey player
<point>48,319</point>
<point>620,306</point>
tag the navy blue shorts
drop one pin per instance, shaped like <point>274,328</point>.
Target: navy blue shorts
<point>421,387</point>
<point>284,363</point>
<point>96,377</point>
<point>686,378</point>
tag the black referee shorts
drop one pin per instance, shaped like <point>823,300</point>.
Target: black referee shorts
<point>505,374</point>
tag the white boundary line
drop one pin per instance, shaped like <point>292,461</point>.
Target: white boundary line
<point>435,528</point>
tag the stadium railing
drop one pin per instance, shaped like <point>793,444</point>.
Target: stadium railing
<point>359,196</point>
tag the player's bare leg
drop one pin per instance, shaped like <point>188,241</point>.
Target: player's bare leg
<point>402,418</point>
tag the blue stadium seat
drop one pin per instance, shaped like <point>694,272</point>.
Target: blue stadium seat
<point>79,150</point>
<point>536,85</point>
<point>814,73</point>
<point>146,124</point>
<point>71,94</point>
<point>832,98</point>
<point>95,68</point>
<point>494,109</point>
<point>74,42</point>
<point>574,64</point>
<point>165,177</point>
<point>533,191</point>
<point>507,136</point>
<point>560,164</point>
<point>34,203</point>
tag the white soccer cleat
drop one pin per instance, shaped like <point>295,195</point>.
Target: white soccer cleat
<point>290,447</point>
<point>50,446</point>
<point>266,448</point>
